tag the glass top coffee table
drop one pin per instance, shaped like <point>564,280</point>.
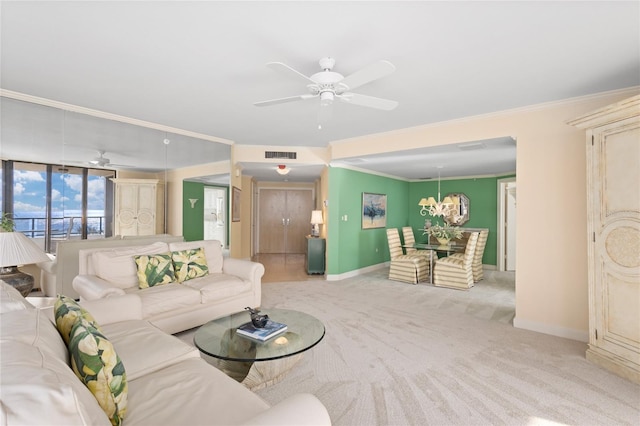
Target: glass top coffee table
<point>251,362</point>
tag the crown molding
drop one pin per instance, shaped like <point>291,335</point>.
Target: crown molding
<point>634,90</point>
<point>109,116</point>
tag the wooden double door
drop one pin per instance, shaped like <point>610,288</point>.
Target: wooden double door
<point>284,220</point>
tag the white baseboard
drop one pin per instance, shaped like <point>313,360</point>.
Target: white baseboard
<point>567,333</point>
<point>361,271</point>
<point>356,272</point>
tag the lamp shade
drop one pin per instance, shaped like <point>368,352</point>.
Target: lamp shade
<point>423,202</point>
<point>431,201</point>
<point>316,217</point>
<point>16,249</point>
<point>447,200</point>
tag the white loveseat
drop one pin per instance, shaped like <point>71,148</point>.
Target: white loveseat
<point>229,287</point>
<point>168,382</point>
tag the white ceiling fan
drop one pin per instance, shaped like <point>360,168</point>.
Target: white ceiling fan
<point>329,85</point>
<point>102,161</point>
<point>99,161</point>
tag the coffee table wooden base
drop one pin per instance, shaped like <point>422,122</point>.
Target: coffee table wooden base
<point>255,375</point>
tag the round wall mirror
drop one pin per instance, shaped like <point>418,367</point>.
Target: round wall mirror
<point>460,215</point>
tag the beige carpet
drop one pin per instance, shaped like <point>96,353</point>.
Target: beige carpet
<point>399,354</point>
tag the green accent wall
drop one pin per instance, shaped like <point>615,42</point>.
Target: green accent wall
<point>483,207</point>
<point>192,219</point>
<point>349,247</point>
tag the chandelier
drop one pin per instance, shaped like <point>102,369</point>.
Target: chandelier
<point>446,207</point>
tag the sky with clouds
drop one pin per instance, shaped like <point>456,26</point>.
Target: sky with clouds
<point>29,192</point>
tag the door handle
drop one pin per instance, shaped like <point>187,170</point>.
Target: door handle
<point>283,221</point>
<point>288,220</point>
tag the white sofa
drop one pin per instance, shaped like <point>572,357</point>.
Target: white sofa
<point>229,287</point>
<point>168,382</point>
<point>57,275</point>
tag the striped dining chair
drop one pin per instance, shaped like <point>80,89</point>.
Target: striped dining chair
<point>402,267</point>
<point>454,272</point>
<point>409,240</point>
<point>478,272</point>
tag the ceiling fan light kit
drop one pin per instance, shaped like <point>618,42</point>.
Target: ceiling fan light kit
<point>329,85</point>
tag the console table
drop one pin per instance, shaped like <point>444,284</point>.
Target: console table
<point>314,260</point>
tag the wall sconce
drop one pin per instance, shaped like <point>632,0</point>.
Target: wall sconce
<point>316,221</point>
<point>193,202</point>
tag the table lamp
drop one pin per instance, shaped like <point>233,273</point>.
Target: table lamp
<point>316,221</point>
<point>16,249</point>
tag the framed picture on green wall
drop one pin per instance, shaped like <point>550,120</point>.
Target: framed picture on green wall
<point>374,210</point>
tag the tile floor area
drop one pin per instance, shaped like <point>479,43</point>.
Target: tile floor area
<point>284,267</point>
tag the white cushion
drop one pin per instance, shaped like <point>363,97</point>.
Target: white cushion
<point>144,349</point>
<point>203,395</point>
<point>160,299</point>
<point>118,266</point>
<point>11,299</point>
<point>33,327</point>
<point>215,287</point>
<point>212,252</point>
<point>38,389</point>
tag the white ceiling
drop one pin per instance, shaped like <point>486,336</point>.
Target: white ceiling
<point>200,66</point>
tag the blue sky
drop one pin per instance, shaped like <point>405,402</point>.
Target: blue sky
<point>29,192</point>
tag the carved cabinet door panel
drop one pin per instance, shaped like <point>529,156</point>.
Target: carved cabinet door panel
<point>613,229</point>
<point>615,261</point>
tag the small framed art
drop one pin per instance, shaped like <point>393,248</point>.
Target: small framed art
<point>235,204</point>
<point>374,210</point>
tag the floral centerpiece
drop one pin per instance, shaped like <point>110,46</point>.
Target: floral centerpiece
<point>444,233</point>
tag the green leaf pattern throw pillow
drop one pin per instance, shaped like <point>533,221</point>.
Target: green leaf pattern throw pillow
<point>66,312</point>
<point>95,362</point>
<point>190,264</point>
<point>154,269</point>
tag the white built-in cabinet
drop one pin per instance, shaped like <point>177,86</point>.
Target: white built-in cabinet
<point>613,230</point>
<point>137,206</point>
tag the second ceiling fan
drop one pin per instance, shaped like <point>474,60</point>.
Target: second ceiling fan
<point>329,85</point>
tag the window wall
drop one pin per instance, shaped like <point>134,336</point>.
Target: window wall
<point>51,203</point>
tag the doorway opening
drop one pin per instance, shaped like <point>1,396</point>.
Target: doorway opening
<point>215,207</point>
<point>506,224</point>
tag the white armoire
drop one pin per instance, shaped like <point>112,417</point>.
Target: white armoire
<point>136,206</point>
<point>613,231</point>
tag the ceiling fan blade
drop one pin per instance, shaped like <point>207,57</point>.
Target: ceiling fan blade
<point>279,66</point>
<point>368,101</point>
<point>284,100</point>
<point>368,74</point>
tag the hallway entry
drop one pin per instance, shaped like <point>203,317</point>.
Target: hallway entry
<point>284,219</point>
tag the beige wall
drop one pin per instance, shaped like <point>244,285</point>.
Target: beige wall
<point>551,247</point>
<point>551,252</point>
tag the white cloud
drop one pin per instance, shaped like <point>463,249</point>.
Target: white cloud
<point>18,188</point>
<point>27,176</point>
<point>55,195</point>
<point>20,206</point>
<point>74,182</point>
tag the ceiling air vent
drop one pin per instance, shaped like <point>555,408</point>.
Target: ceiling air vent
<point>276,154</point>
